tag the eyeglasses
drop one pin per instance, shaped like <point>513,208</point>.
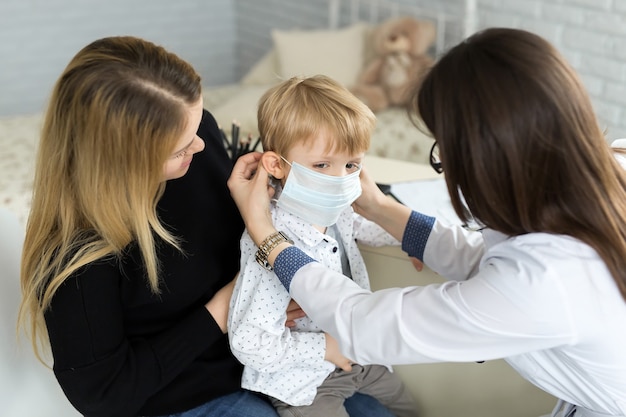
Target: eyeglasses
<point>435,162</point>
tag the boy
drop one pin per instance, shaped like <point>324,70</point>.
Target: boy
<point>314,133</point>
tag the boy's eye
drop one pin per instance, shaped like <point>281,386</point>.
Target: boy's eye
<point>353,165</point>
<point>321,165</point>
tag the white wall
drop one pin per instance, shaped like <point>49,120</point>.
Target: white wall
<point>39,37</point>
<point>592,36</point>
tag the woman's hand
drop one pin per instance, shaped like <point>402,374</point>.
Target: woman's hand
<point>294,312</point>
<point>334,355</point>
<point>250,188</point>
<point>219,304</point>
<point>381,209</point>
<point>417,264</point>
<point>371,198</point>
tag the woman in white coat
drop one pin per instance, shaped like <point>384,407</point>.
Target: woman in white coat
<point>543,285</point>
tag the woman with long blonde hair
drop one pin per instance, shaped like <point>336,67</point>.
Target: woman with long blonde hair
<point>129,243</point>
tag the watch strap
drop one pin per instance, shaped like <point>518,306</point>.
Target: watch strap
<point>268,245</point>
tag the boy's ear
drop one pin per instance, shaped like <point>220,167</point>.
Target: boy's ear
<point>273,164</point>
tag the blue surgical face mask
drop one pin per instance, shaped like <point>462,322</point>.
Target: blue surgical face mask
<point>315,197</point>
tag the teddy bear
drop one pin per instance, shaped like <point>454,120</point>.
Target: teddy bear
<point>400,46</point>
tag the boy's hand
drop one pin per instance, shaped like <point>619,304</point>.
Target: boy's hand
<point>417,264</point>
<point>334,355</point>
<point>294,312</point>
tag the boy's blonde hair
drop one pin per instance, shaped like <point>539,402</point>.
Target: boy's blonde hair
<point>298,109</point>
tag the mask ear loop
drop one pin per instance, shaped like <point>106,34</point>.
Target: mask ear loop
<point>288,163</point>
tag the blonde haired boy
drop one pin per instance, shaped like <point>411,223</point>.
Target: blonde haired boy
<point>315,134</point>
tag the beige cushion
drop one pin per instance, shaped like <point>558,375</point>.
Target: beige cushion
<point>241,106</point>
<point>335,53</point>
<point>265,71</point>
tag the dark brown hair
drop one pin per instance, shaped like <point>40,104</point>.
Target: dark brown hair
<point>519,139</point>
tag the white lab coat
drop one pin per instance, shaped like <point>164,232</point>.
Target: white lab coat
<point>545,303</point>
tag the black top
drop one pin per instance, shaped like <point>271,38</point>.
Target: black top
<point>120,350</point>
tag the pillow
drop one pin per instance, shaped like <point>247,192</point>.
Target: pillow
<point>335,53</point>
<point>264,71</point>
<point>241,107</point>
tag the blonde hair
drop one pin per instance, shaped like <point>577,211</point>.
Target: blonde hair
<point>300,108</point>
<point>115,114</point>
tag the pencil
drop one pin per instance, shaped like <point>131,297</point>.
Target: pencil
<point>223,134</point>
<point>235,140</point>
<point>248,141</point>
<point>256,143</point>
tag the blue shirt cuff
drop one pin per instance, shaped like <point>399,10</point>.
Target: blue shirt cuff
<point>288,262</point>
<point>416,234</point>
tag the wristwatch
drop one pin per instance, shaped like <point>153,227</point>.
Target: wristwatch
<point>267,246</point>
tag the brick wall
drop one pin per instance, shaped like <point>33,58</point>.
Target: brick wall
<point>592,36</point>
<point>39,37</point>
<point>256,19</point>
